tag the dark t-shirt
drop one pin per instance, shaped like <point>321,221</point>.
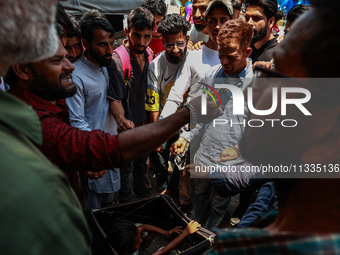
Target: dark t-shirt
<point>265,53</point>
<point>132,95</point>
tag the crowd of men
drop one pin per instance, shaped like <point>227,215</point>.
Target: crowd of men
<point>79,116</point>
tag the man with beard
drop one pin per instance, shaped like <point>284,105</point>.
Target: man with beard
<point>89,107</point>
<point>45,85</point>
<point>73,44</point>
<point>158,9</point>
<point>40,212</point>
<point>199,32</point>
<point>127,94</point>
<point>261,15</point>
<point>162,74</point>
<point>195,66</point>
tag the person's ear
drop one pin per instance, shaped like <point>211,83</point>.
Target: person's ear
<point>85,43</point>
<point>187,37</point>
<point>23,71</point>
<point>324,146</point>
<point>127,32</point>
<point>271,22</point>
<point>248,52</point>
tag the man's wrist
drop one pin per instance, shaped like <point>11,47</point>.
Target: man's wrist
<point>193,116</point>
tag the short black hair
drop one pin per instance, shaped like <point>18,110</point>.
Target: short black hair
<point>140,18</point>
<point>173,24</point>
<point>236,5</point>
<point>270,7</point>
<point>296,12</point>
<point>11,78</point>
<point>76,26</point>
<point>156,7</point>
<point>63,20</point>
<point>122,236</point>
<point>92,20</point>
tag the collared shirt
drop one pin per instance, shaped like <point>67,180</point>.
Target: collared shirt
<point>89,110</point>
<point>265,53</point>
<point>89,107</point>
<point>66,146</point>
<point>40,212</point>
<point>132,96</point>
<point>258,242</point>
<point>216,138</point>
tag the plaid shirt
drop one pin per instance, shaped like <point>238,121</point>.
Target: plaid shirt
<point>257,241</point>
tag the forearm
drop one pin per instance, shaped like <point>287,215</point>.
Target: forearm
<point>173,244</point>
<point>153,229</point>
<point>117,110</point>
<point>153,116</point>
<point>139,142</point>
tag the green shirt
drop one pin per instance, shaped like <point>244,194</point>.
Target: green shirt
<point>39,212</point>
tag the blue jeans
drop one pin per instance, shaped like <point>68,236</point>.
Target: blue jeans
<point>206,198</point>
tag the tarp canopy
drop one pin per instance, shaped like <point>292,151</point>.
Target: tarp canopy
<point>77,7</point>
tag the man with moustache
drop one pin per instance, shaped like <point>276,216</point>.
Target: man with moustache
<point>40,212</point>
<point>234,40</point>
<point>194,68</point>
<point>73,45</point>
<point>199,32</point>
<point>127,95</point>
<point>45,84</point>
<point>162,74</point>
<point>261,15</point>
<point>89,107</point>
<point>158,9</point>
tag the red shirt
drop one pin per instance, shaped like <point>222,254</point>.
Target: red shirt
<point>156,47</point>
<point>68,147</point>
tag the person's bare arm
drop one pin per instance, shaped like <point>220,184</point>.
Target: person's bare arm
<point>153,116</point>
<point>191,228</point>
<point>157,230</point>
<point>117,111</point>
<point>138,142</point>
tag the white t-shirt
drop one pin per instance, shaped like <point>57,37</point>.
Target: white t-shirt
<point>161,77</point>
<point>194,68</point>
<point>196,36</point>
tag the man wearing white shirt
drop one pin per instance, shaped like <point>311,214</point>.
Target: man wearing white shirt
<point>197,63</point>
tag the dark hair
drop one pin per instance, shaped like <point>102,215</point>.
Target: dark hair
<point>92,20</point>
<point>11,78</point>
<point>59,28</point>
<point>269,6</point>
<point>63,20</point>
<point>156,7</point>
<point>76,26</point>
<point>122,236</point>
<point>279,15</point>
<point>140,18</point>
<point>296,12</point>
<point>236,5</point>
<point>173,24</point>
<point>237,31</point>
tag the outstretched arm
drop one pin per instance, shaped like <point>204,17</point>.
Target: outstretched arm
<point>154,229</point>
<point>191,228</point>
<point>138,142</point>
